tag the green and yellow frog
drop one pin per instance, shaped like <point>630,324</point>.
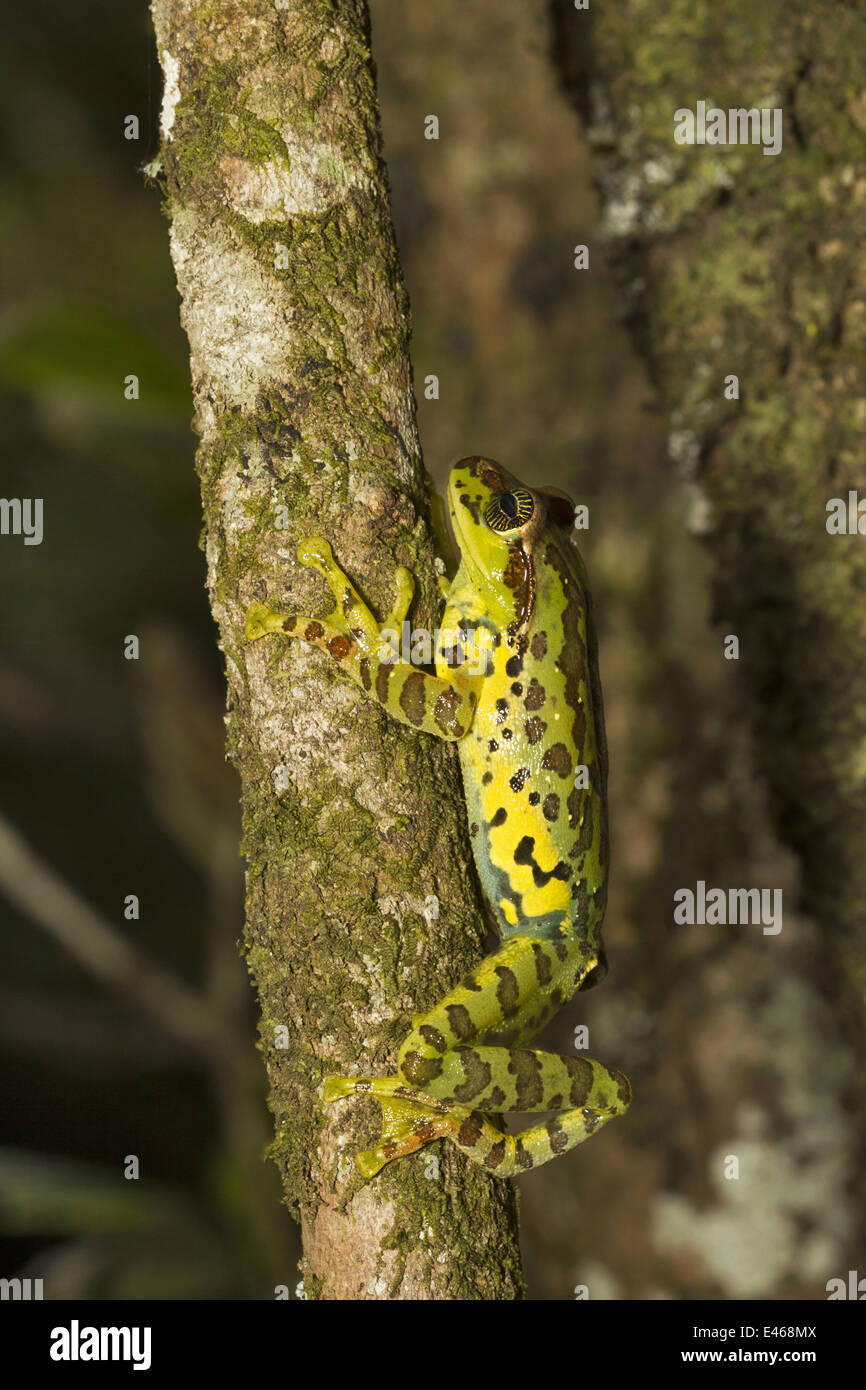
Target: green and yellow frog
<point>517,688</point>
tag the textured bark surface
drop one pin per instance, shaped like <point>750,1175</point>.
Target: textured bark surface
<point>293,302</point>
<point>735,262</point>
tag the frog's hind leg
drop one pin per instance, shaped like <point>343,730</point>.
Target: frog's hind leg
<point>586,1094</point>
<point>463,1051</point>
<point>410,1118</point>
<point>459,1061</point>
<point>405,1130</point>
<point>506,999</point>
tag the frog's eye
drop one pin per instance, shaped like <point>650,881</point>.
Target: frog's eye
<point>509,510</point>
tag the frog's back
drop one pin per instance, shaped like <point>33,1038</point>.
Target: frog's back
<point>535,760</point>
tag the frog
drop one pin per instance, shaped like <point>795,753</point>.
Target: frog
<point>516,688</point>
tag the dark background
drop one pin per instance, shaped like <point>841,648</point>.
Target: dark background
<point>113,771</point>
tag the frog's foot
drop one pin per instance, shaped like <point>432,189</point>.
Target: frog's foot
<point>349,619</point>
<point>351,613</point>
<point>319,633</point>
<point>261,620</point>
<point>410,1118</point>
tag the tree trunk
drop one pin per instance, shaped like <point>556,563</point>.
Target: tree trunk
<point>294,305</point>
<point>737,263</point>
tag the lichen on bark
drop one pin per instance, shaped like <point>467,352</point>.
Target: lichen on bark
<point>297,319</point>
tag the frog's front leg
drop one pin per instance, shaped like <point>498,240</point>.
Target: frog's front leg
<point>451,1081</point>
<point>351,635</point>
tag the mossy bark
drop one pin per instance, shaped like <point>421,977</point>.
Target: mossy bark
<point>734,262</point>
<point>294,306</point>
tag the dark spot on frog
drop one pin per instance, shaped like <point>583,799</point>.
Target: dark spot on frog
<point>538,646</point>
<point>535,728</point>
<point>364,672</point>
<point>517,782</point>
<point>517,688</point>
<point>551,806</point>
<point>432,1036</point>
<point>572,659</point>
<point>519,577</point>
<point>557,759</point>
<point>418,1070</point>
<point>493,746</point>
<point>476,1075</point>
<point>581,897</point>
<point>469,1132</point>
<point>513,666</point>
<point>521,1157</point>
<point>535,695</point>
<point>500,817</point>
<point>580,1071</point>
<point>501,711</point>
<point>471,506</point>
<point>507,991</point>
<point>586,827</point>
<point>460,1021</point>
<point>496,1155</point>
<point>412,698</point>
<point>557,1137</point>
<point>487,779</point>
<point>313,631</point>
<point>525,1067</point>
<point>578,727</point>
<point>534,798</point>
<point>473,829</point>
<point>524,854</point>
<point>506,733</point>
<point>542,964</point>
<point>383,675</point>
<point>444,710</point>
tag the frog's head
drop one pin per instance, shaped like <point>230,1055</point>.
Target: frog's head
<point>498,523</point>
